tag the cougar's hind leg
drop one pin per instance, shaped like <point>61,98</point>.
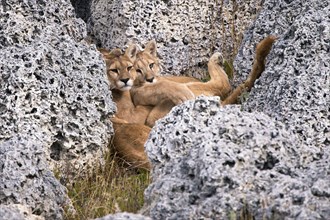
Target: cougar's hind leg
<point>219,78</point>
<point>218,85</point>
<point>214,67</point>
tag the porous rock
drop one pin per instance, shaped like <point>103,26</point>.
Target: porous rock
<point>214,162</point>
<point>124,216</point>
<point>53,84</point>
<point>54,104</point>
<point>8,213</point>
<point>17,212</point>
<point>295,87</point>
<point>27,180</point>
<point>187,32</point>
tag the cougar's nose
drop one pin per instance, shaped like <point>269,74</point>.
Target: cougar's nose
<point>124,80</point>
<point>150,79</point>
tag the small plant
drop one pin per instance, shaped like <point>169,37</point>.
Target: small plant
<point>109,189</point>
<point>244,97</point>
<point>228,68</point>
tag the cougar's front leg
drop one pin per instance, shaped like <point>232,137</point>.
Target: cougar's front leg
<point>155,93</point>
<point>158,112</point>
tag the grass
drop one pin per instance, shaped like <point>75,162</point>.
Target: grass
<point>109,189</point>
<point>116,187</point>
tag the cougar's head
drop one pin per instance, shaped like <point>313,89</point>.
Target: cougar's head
<point>120,67</point>
<point>147,65</point>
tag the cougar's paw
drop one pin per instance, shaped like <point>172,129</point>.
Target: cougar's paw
<point>217,58</point>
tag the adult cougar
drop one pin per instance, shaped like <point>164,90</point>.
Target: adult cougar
<point>148,81</point>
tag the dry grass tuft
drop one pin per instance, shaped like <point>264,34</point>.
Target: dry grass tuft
<point>109,189</point>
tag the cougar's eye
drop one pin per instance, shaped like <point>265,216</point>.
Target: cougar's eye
<point>139,71</point>
<point>151,65</point>
<point>114,70</point>
<point>129,68</point>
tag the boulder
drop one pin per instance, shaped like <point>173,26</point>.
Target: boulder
<point>295,87</point>
<point>54,104</point>
<point>124,216</point>
<point>214,162</point>
<point>268,157</point>
<point>187,32</point>
<point>17,212</point>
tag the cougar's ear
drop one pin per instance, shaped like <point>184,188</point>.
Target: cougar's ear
<point>151,47</point>
<point>107,62</point>
<point>131,51</point>
<point>116,52</point>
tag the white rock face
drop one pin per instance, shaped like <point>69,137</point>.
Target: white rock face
<point>271,154</point>
<point>295,87</point>
<point>54,104</point>
<point>213,162</point>
<point>187,32</point>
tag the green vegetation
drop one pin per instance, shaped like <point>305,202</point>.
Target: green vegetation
<point>228,67</point>
<point>109,189</point>
<point>116,187</point>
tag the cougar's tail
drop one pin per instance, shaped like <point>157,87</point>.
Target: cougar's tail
<point>262,50</point>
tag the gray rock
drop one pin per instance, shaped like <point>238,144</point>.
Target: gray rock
<point>54,86</point>
<point>17,212</point>
<point>27,180</point>
<point>10,213</point>
<point>295,87</point>
<point>54,104</point>
<point>187,32</point>
<point>213,162</point>
<point>124,216</point>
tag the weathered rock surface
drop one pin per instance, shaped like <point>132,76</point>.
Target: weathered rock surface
<point>124,216</point>
<point>213,162</point>
<point>54,101</point>
<point>17,212</point>
<point>26,178</point>
<point>295,87</point>
<point>187,32</point>
<point>272,155</point>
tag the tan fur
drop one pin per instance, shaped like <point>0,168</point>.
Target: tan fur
<point>119,70</point>
<point>181,79</point>
<point>130,131</point>
<point>129,140</point>
<point>262,50</point>
<point>217,86</point>
<point>163,86</point>
<point>149,89</point>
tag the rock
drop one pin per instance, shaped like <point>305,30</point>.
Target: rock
<point>214,162</point>
<point>54,104</point>
<point>271,157</point>
<point>295,87</point>
<point>17,212</point>
<point>187,32</point>
<point>124,216</point>
<point>53,85</point>
<point>26,178</point>
<point>82,8</point>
